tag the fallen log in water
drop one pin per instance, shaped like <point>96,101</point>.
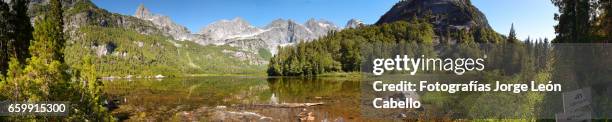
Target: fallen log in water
<point>291,105</point>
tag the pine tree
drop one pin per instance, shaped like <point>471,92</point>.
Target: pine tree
<point>48,35</point>
<point>575,19</point>
<point>4,37</point>
<point>22,31</point>
<point>512,35</point>
<point>45,68</point>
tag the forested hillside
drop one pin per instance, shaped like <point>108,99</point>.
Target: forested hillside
<point>341,51</point>
<point>123,46</point>
<point>122,52</point>
<point>408,22</point>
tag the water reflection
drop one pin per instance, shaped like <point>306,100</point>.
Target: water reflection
<point>273,99</point>
<point>235,99</point>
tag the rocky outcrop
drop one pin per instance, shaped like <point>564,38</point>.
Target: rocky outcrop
<point>282,31</point>
<point>224,31</point>
<point>354,23</point>
<point>320,27</point>
<point>441,12</point>
<point>164,23</point>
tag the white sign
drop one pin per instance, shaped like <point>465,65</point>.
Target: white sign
<point>576,106</point>
<point>576,99</point>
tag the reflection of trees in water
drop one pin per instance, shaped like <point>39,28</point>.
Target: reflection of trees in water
<point>308,89</point>
<point>339,95</point>
<point>162,99</point>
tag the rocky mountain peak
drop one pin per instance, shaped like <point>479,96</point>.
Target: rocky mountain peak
<point>452,12</point>
<point>444,15</point>
<point>142,12</point>
<point>354,23</point>
<point>228,29</point>
<point>164,23</point>
<point>277,23</point>
<point>279,32</point>
<point>320,27</point>
<point>240,20</point>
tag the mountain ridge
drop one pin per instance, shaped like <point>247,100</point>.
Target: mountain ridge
<point>124,45</point>
<point>164,23</point>
<point>279,32</point>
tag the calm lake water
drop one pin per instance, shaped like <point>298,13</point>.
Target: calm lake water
<point>234,99</point>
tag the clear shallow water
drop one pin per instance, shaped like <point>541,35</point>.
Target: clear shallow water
<point>234,98</point>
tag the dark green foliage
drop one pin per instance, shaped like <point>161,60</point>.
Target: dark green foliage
<point>582,21</point>
<point>484,35</point>
<point>342,51</point>
<point>15,33</point>
<point>465,36</point>
<point>4,37</point>
<point>46,77</point>
<point>507,63</point>
<point>22,29</point>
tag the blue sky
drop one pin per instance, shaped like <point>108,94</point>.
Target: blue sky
<point>531,17</point>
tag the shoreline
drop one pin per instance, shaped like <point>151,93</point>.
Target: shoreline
<point>159,76</point>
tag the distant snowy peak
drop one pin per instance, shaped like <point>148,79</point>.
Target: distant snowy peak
<point>277,33</point>
<point>164,23</point>
<point>354,23</point>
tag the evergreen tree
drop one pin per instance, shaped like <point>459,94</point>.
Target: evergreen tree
<point>575,19</point>
<point>46,76</point>
<point>465,36</point>
<point>45,68</point>
<point>22,30</point>
<point>512,35</point>
<point>48,36</point>
<point>4,36</point>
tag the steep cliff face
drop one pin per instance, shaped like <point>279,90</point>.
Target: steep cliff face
<point>286,31</point>
<point>442,12</point>
<point>320,27</point>
<point>221,31</point>
<point>445,15</point>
